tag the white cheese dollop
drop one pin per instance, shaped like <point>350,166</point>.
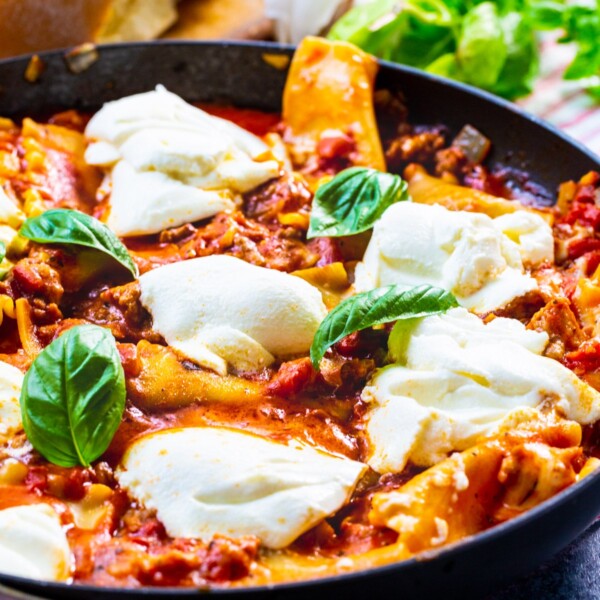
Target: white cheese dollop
<point>219,309</point>
<point>204,481</point>
<point>463,252</point>
<point>173,163</point>
<point>33,543</point>
<point>459,379</point>
<point>532,235</point>
<point>11,382</point>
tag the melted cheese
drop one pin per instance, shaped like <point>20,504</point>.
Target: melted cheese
<point>204,481</point>
<point>479,259</point>
<point>173,163</point>
<point>219,309</point>
<point>457,381</point>
<point>33,543</point>
<point>11,382</point>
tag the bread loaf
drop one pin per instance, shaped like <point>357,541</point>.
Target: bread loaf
<point>35,25</point>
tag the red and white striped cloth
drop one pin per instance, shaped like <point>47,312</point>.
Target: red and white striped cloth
<point>564,103</point>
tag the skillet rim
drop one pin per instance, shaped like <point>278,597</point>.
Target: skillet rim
<point>471,543</point>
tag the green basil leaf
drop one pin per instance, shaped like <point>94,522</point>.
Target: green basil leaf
<point>64,226</point>
<point>353,200</point>
<point>73,396</point>
<point>2,251</point>
<point>375,307</point>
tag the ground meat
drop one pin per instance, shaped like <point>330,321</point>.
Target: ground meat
<point>522,307</point>
<point>148,557</point>
<point>450,161</point>
<point>227,559</point>
<point>177,234</point>
<point>254,243</point>
<point>560,323</point>
<point>287,194</point>
<point>119,309</point>
<point>346,373</point>
<point>275,247</point>
<point>420,146</point>
<point>31,278</point>
<point>479,177</point>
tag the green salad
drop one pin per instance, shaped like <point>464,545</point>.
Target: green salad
<point>492,45</point>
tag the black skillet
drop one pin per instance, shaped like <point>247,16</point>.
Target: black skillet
<point>238,73</point>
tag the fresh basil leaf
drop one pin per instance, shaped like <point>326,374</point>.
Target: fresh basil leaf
<point>375,307</point>
<point>353,200</point>
<point>73,396</point>
<point>2,251</point>
<point>71,227</point>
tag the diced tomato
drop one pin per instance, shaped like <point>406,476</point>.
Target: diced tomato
<point>583,213</point>
<point>584,360</point>
<point>579,247</point>
<point>593,260</point>
<point>293,376</point>
<point>28,279</point>
<point>255,121</point>
<point>150,529</point>
<point>327,249</point>
<point>336,146</point>
<point>586,193</point>
<point>129,359</point>
<point>75,486</point>
<point>36,479</point>
<point>361,343</point>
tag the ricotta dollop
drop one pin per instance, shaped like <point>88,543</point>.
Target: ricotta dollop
<point>220,310</point>
<point>204,481</point>
<point>33,543</point>
<point>480,260</point>
<point>172,163</point>
<point>11,382</point>
<point>456,381</point>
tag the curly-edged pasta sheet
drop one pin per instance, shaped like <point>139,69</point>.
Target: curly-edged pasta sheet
<point>432,190</point>
<point>487,484</point>
<point>329,96</point>
<point>163,380</point>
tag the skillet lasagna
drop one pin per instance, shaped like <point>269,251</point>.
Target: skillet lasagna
<point>239,348</point>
